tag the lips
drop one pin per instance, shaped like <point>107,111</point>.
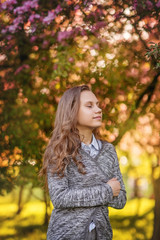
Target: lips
<point>98,117</point>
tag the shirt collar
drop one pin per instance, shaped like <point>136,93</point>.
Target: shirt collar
<point>93,143</point>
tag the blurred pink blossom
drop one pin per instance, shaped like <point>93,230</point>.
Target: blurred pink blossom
<point>71,59</point>
<point>76,7</point>
<point>31,4</point>
<point>49,18</point>
<point>33,28</point>
<point>3,31</point>
<point>149,4</point>
<point>9,37</point>
<point>45,44</point>
<point>95,46</point>
<point>52,34</point>
<point>33,17</point>
<point>98,25</point>
<point>24,66</point>
<point>8,4</point>
<point>83,32</point>
<point>77,30</point>
<point>64,35</point>
<point>135,4</point>
<point>33,38</point>
<point>44,58</point>
<point>55,66</point>
<point>27,6</point>
<point>13,28</point>
<point>158,4</point>
<point>20,10</point>
<point>58,9</point>
<point>18,20</point>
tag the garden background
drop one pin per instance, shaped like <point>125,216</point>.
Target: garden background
<point>50,46</point>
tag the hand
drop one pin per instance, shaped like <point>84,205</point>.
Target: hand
<point>115,185</point>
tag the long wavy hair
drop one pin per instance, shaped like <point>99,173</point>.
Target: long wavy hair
<point>65,139</point>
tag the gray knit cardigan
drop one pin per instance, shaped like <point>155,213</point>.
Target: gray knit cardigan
<point>81,199</point>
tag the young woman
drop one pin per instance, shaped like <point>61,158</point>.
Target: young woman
<point>82,171</point>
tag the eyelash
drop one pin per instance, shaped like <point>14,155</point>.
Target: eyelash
<point>91,106</point>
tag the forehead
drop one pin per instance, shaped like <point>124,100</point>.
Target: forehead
<point>87,96</point>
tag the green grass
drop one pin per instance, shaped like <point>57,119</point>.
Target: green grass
<point>134,222</point>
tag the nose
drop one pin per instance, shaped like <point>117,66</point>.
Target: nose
<point>98,109</point>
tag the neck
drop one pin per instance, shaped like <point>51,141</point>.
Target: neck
<point>85,135</point>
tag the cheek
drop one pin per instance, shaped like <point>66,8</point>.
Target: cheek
<point>86,112</point>
<point>84,115</point>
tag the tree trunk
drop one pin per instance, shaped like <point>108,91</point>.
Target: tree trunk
<point>20,200</point>
<point>156,185</point>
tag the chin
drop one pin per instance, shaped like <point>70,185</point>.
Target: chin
<point>98,125</point>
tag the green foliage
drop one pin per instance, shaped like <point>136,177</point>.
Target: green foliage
<point>154,51</point>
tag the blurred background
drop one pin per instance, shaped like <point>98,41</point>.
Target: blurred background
<point>50,46</point>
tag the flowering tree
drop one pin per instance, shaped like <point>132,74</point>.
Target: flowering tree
<point>48,46</point>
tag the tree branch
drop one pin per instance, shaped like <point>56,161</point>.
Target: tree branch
<point>132,119</point>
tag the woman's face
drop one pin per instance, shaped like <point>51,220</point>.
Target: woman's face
<point>89,115</point>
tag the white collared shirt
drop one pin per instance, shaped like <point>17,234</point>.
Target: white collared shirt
<point>93,148</point>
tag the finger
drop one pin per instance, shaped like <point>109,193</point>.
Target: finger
<point>114,179</point>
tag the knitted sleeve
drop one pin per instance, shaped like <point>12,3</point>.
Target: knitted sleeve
<point>62,196</point>
<point>119,201</point>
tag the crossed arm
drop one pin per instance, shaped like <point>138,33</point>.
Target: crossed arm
<point>63,196</point>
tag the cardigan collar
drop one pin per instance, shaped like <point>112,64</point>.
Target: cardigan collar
<point>93,143</point>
